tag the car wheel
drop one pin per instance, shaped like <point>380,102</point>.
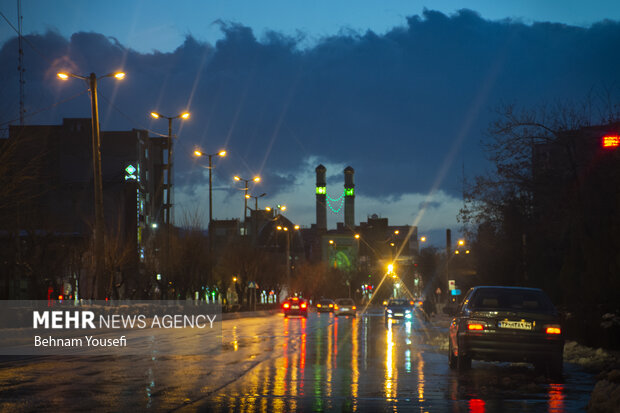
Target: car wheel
<point>463,362</point>
<point>451,357</point>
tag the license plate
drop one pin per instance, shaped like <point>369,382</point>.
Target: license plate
<point>517,325</point>
<point>295,307</point>
<point>345,308</point>
<point>398,314</point>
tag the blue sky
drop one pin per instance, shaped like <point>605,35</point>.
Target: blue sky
<point>406,105</point>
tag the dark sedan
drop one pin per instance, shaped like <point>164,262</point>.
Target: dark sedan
<point>295,306</point>
<point>325,306</point>
<point>507,324</point>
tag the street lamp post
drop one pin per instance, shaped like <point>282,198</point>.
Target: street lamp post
<point>210,156</point>
<point>156,115</point>
<point>245,197</point>
<point>98,185</point>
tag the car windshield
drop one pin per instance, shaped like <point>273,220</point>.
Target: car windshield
<point>345,301</point>
<point>511,299</point>
<point>398,302</point>
<point>325,302</point>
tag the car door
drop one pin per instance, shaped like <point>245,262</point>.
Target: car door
<point>456,320</point>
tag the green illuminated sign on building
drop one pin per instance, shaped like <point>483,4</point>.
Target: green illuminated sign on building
<point>130,173</point>
<point>349,192</point>
<point>321,190</point>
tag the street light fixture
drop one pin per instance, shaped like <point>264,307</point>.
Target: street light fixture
<point>98,185</point>
<point>221,154</point>
<point>157,115</point>
<point>245,198</point>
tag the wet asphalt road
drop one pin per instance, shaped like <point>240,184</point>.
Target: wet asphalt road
<point>273,363</point>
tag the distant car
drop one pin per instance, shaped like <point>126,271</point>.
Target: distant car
<point>507,324</point>
<point>325,306</point>
<point>345,306</point>
<point>398,309</point>
<point>295,306</point>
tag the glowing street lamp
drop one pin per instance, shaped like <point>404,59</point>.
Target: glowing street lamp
<point>98,185</point>
<point>221,154</point>
<point>245,198</point>
<point>156,115</point>
<point>288,247</point>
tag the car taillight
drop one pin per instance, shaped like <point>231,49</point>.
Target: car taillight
<point>477,327</point>
<point>331,305</point>
<point>354,307</point>
<point>419,303</point>
<point>336,307</point>
<point>554,330</point>
<point>303,305</point>
<point>286,305</point>
<point>318,305</point>
<point>410,302</point>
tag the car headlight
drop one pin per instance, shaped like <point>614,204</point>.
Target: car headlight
<point>389,311</point>
<point>407,311</point>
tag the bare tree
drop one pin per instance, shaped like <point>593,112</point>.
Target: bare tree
<point>533,224</point>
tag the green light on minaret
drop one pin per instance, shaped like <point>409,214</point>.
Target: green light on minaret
<point>349,192</point>
<point>321,190</point>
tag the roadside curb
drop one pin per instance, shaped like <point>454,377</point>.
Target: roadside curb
<point>248,314</point>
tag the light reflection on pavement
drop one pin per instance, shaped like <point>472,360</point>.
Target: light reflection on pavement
<point>274,363</point>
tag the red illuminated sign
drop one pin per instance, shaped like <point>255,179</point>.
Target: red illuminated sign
<point>611,141</point>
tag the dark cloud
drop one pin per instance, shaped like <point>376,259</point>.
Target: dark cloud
<point>392,106</point>
<point>429,205</point>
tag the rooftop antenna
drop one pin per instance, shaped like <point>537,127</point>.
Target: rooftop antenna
<point>20,67</point>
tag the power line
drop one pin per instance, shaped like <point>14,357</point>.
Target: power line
<point>129,118</point>
<point>26,39</point>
